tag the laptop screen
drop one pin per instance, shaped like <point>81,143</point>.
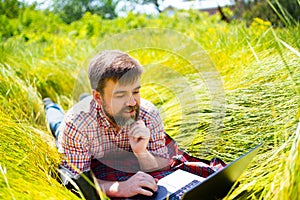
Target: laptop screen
<point>217,185</point>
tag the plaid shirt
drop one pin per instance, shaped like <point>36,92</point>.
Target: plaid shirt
<point>86,135</point>
<point>180,160</point>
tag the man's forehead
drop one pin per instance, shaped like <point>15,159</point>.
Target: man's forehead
<point>116,86</point>
<point>123,87</point>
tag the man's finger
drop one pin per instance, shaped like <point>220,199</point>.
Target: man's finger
<point>140,122</point>
<point>148,187</point>
<point>146,177</point>
<point>133,130</point>
<point>145,191</point>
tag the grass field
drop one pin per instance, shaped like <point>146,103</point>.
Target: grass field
<point>256,77</point>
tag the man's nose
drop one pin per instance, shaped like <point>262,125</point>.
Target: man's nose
<point>131,101</point>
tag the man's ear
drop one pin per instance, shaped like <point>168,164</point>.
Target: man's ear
<point>97,97</point>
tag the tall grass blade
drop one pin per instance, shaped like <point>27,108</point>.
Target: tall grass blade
<point>3,172</point>
<point>281,13</point>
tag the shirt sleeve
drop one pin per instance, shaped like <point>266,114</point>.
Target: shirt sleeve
<point>73,145</point>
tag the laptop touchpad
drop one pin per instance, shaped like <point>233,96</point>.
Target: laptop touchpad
<point>160,194</point>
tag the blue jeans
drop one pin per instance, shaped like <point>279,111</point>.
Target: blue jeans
<point>55,115</point>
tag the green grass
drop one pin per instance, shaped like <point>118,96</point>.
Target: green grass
<point>28,163</point>
<point>259,67</point>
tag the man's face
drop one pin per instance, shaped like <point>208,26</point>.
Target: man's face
<point>121,103</point>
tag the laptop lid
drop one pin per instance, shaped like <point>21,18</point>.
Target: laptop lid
<point>217,185</point>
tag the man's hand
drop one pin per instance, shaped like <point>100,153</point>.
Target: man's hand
<point>139,137</point>
<point>137,184</point>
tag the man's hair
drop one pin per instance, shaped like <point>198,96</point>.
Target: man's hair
<point>113,65</point>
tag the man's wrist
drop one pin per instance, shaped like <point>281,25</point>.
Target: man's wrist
<point>143,154</point>
<point>113,188</point>
<point>120,186</point>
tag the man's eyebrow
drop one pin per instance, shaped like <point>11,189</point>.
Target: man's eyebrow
<point>137,88</point>
<point>124,91</point>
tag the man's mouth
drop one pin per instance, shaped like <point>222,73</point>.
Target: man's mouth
<point>131,110</point>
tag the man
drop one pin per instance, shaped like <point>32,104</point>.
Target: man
<point>116,115</point>
<point>114,133</point>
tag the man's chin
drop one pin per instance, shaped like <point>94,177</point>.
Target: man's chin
<point>130,122</point>
<point>126,121</point>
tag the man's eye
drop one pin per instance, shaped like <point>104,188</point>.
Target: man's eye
<point>136,92</point>
<point>120,96</point>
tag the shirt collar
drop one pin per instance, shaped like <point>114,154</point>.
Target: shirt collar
<point>97,111</point>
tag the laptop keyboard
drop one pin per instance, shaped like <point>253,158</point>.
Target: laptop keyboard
<point>178,194</point>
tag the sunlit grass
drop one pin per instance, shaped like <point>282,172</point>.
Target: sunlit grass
<point>28,164</point>
<point>259,67</point>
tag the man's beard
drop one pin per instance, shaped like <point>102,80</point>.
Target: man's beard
<point>119,118</point>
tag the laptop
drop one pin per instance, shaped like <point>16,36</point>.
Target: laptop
<point>184,185</point>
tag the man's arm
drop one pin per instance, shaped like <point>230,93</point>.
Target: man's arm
<point>150,163</point>
<point>139,138</point>
<point>133,186</point>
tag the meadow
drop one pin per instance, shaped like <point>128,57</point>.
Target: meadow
<point>221,90</point>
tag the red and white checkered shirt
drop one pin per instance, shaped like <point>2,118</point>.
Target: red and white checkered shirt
<point>85,134</point>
